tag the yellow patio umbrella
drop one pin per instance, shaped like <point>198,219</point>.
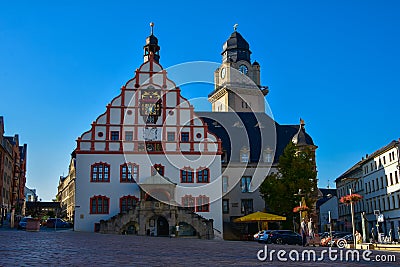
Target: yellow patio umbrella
<point>259,217</point>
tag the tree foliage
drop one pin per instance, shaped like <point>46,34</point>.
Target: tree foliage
<point>296,170</point>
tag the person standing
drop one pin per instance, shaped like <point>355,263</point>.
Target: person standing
<point>303,229</point>
<point>373,234</point>
<point>390,235</point>
<point>358,237</point>
<point>398,233</point>
<point>311,232</point>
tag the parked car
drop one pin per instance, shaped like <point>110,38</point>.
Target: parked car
<point>326,241</point>
<point>22,223</point>
<point>262,236</point>
<point>57,223</point>
<point>284,237</point>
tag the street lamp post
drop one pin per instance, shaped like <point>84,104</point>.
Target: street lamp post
<point>352,220</point>
<point>330,226</point>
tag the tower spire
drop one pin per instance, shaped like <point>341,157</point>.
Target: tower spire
<point>152,28</point>
<point>151,49</point>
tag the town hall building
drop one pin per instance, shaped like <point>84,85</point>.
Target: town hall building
<point>151,165</point>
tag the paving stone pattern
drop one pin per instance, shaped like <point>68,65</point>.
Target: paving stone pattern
<point>69,248</point>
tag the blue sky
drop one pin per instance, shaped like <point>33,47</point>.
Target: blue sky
<point>333,63</point>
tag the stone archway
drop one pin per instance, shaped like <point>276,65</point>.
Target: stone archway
<point>159,219</point>
<point>162,226</point>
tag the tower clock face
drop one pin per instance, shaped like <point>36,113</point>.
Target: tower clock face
<point>243,69</point>
<point>223,73</point>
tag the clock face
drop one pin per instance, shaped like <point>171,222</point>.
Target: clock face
<point>150,104</point>
<point>243,69</point>
<point>223,73</point>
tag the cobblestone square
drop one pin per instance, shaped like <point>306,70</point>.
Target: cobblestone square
<point>68,248</point>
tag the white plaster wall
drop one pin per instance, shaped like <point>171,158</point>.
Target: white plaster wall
<point>85,189</point>
<point>102,119</point>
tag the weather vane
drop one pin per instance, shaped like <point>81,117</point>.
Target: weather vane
<point>152,26</point>
<point>235,26</point>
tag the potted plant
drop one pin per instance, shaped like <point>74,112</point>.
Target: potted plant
<point>300,208</point>
<point>33,224</point>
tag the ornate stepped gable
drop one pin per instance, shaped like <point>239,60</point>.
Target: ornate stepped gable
<point>149,116</point>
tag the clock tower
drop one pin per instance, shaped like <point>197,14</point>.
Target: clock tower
<point>237,80</point>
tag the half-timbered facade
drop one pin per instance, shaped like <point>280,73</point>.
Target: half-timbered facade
<point>148,133</point>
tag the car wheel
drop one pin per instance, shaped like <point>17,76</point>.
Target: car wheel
<point>279,241</point>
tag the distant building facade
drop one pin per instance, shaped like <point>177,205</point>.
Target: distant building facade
<point>30,195</point>
<point>327,204</point>
<point>376,178</point>
<point>66,192</point>
<point>12,175</point>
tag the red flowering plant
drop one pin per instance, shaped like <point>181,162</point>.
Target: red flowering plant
<point>350,198</point>
<point>300,208</point>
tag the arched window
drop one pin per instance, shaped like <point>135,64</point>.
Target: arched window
<point>203,175</point>
<point>100,172</point>
<point>202,204</point>
<point>187,175</point>
<point>188,201</point>
<point>127,202</point>
<point>129,173</point>
<point>99,205</point>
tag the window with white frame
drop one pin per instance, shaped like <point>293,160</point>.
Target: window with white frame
<point>268,155</point>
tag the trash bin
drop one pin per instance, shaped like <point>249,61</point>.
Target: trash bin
<point>33,225</point>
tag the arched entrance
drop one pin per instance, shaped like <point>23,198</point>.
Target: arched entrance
<point>162,226</point>
<point>186,229</point>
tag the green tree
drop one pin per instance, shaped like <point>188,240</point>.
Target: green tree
<point>296,170</point>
